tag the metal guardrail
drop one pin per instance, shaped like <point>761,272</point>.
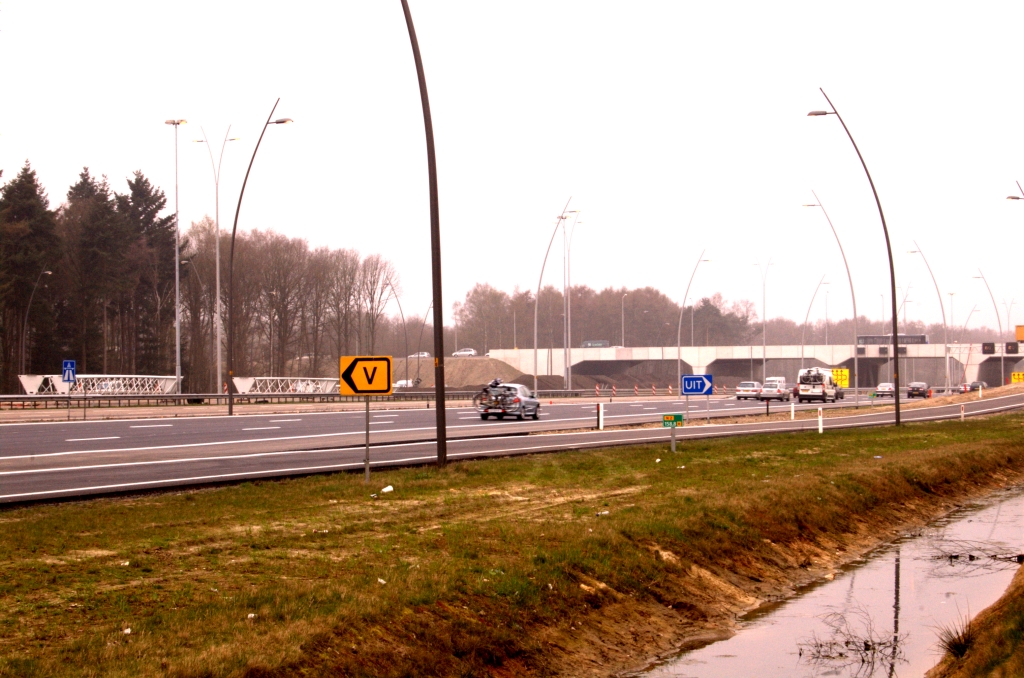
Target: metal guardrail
<point>63,402</point>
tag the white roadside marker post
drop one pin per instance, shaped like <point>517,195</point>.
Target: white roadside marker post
<point>961,412</point>
<point>821,421</point>
<point>792,410</point>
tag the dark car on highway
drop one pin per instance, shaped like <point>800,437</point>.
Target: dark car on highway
<point>917,389</point>
<point>975,385</point>
<point>501,400</point>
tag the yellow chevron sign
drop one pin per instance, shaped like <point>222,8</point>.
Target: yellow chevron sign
<point>365,375</point>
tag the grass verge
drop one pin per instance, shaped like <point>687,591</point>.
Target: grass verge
<point>579,562</point>
<point>992,644</point>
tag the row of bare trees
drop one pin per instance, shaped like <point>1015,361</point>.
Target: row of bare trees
<point>296,309</point>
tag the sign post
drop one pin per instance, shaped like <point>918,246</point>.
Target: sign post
<point>365,376</point>
<point>841,377</point>
<point>68,376</point>
<point>672,421</point>
<point>697,384</point>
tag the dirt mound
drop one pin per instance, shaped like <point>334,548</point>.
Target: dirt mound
<point>458,372</point>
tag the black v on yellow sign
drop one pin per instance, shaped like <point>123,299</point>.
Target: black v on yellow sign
<point>365,375</point>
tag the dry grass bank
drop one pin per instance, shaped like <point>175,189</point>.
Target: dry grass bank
<point>997,650</point>
<point>495,567</point>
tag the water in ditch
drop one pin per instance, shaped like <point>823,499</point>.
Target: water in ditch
<point>880,616</point>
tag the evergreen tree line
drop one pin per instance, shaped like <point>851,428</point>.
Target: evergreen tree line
<point>98,272</point>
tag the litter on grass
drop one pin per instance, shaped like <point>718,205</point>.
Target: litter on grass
<point>381,581</point>
<point>387,489</point>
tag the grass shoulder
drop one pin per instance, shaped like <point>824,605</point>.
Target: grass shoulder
<point>578,562</point>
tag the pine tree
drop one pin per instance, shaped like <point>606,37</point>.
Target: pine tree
<point>28,246</point>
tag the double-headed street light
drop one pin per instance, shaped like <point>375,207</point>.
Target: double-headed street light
<point>177,266</point>
<point>888,246</point>
<point>679,329</point>
<point>231,259</point>
<point>24,327</point>
<point>216,198</point>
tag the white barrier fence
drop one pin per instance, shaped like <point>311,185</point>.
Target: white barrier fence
<point>284,385</point>
<point>97,384</point>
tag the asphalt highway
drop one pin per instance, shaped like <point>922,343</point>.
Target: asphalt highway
<point>54,460</point>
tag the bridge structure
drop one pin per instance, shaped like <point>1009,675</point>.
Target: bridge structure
<point>732,364</point>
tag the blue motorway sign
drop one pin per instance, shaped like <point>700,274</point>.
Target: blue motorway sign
<point>68,372</point>
<point>696,384</point>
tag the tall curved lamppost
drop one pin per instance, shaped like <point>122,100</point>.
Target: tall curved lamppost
<point>803,331</point>
<point>231,260</point>
<point>945,328</point>
<point>216,218</point>
<point>435,246</point>
<point>679,331</point>
<point>536,301</point>
<point>1002,350</point>
<point>405,329</point>
<point>888,247</point>
<point>853,296</point>
<point>24,327</point>
<point>622,304</point>
<point>568,297</point>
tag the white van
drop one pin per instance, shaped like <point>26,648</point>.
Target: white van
<point>816,383</point>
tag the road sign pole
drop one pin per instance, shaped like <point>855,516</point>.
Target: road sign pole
<point>686,414</point>
<point>709,408</point>
<point>366,459</point>
<point>673,438</point>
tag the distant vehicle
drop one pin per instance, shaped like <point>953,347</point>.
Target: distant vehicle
<point>963,388</point>
<point>816,383</point>
<point>406,383</point>
<point>885,390</point>
<point>917,389</point>
<point>595,343</point>
<point>775,389</point>
<point>464,353</point>
<point>421,354</point>
<point>748,390</point>
<point>975,385</point>
<point>514,400</point>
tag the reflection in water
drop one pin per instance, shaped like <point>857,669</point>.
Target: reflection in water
<point>840,628</point>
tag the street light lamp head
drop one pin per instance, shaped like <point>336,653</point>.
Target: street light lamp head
<point>1014,197</point>
<point>814,114</point>
<point>283,121</point>
<point>175,122</point>
<point>813,204</point>
<point>47,272</point>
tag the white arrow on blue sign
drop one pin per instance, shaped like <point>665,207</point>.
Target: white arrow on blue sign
<point>696,384</point>
<point>68,372</point>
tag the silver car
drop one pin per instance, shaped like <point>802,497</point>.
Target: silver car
<point>748,390</point>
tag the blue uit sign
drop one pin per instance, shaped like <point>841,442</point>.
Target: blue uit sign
<point>696,384</point>
<point>68,372</point>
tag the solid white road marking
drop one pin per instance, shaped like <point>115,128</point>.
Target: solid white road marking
<point>260,428</point>
<point>153,426</point>
<point>78,440</point>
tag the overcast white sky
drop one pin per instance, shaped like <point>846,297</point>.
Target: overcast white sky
<point>674,126</point>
